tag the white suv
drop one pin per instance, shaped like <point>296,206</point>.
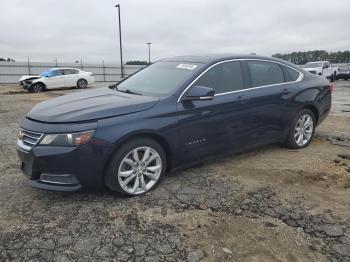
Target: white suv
<point>323,68</point>
<point>57,77</point>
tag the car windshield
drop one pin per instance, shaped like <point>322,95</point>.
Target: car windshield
<point>313,65</point>
<point>46,73</point>
<point>159,79</point>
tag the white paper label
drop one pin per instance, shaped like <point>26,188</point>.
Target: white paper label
<point>187,66</point>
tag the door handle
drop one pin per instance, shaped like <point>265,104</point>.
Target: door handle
<point>285,91</point>
<point>243,99</point>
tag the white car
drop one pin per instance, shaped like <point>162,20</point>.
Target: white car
<point>57,77</point>
<point>322,68</point>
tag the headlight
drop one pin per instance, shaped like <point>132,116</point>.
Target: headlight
<point>70,139</point>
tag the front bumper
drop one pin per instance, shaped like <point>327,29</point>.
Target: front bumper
<point>25,84</point>
<point>66,168</point>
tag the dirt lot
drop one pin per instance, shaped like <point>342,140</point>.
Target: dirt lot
<point>268,204</point>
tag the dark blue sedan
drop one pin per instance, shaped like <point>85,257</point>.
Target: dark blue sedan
<point>170,114</point>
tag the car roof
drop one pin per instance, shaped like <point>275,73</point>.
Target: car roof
<point>213,58</point>
<point>210,59</point>
<point>57,68</point>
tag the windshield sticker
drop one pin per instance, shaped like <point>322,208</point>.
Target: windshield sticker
<point>186,66</point>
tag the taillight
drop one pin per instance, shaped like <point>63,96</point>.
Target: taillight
<point>331,87</point>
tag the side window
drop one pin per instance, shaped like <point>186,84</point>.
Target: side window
<point>225,77</point>
<point>59,72</point>
<point>290,74</point>
<point>265,73</point>
<point>70,71</point>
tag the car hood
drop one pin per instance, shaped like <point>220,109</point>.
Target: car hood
<point>28,77</point>
<point>312,69</point>
<point>90,105</point>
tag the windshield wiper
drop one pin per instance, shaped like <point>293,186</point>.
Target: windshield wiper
<point>128,91</point>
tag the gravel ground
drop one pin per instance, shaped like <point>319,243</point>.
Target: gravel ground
<point>267,204</point>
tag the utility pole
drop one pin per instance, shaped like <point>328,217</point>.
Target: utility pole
<point>149,53</point>
<point>120,43</point>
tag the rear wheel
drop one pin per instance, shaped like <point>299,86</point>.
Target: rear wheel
<point>137,167</point>
<point>37,88</point>
<point>301,130</point>
<point>82,83</point>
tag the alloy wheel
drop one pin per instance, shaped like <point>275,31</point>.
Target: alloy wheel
<point>139,170</point>
<point>303,130</point>
<point>37,88</point>
<point>82,84</point>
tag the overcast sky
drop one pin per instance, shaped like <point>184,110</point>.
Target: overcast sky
<point>87,29</point>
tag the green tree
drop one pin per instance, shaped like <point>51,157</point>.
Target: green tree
<point>136,62</point>
<point>301,58</point>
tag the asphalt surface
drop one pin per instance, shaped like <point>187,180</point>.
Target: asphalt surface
<point>268,204</point>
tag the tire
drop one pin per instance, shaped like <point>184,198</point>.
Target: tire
<point>37,88</point>
<point>124,168</point>
<point>82,83</point>
<point>293,141</point>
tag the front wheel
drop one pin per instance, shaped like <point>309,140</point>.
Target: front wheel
<point>37,88</point>
<point>301,130</point>
<point>136,167</point>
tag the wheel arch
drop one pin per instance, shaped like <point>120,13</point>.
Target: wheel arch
<point>39,82</point>
<point>314,110</point>
<point>82,78</point>
<point>145,134</point>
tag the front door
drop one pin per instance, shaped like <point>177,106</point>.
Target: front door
<point>56,79</point>
<point>206,127</point>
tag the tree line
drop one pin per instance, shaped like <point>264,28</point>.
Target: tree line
<point>6,60</point>
<point>301,58</point>
<point>136,62</point>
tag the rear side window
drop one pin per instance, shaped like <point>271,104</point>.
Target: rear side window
<point>70,71</point>
<point>265,73</point>
<point>224,77</point>
<point>290,74</point>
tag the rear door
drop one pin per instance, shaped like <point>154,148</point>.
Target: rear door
<point>266,102</point>
<point>71,77</point>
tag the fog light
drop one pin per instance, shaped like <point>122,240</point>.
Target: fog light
<point>61,179</point>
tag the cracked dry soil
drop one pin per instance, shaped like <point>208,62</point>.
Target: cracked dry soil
<point>268,204</point>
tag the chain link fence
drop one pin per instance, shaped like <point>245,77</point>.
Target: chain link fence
<point>10,72</point>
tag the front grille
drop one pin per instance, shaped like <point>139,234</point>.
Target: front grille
<point>30,138</point>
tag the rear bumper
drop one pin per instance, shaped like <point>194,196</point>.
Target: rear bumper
<point>66,168</point>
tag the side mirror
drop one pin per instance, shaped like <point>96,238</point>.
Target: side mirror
<point>200,93</point>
